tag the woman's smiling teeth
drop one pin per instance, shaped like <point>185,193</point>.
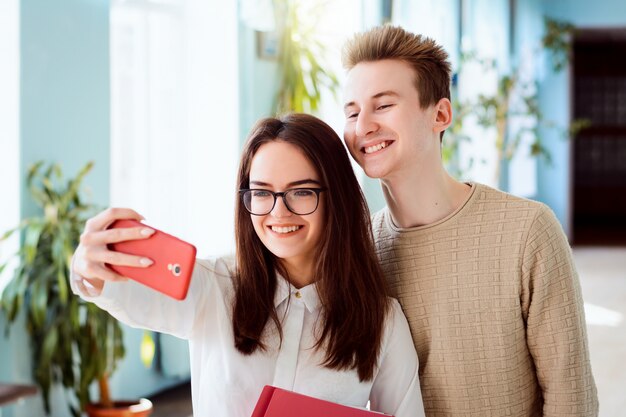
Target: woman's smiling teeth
<point>283,229</point>
<point>372,149</point>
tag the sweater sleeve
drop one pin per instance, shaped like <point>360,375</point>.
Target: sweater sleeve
<point>555,321</point>
<point>139,306</point>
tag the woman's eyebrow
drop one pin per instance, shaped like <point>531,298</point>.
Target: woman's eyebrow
<point>302,182</point>
<point>260,183</point>
<point>291,184</point>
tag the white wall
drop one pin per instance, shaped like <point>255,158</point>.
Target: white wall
<point>9,127</point>
<point>9,169</point>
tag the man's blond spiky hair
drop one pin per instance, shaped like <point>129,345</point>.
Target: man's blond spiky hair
<point>429,60</point>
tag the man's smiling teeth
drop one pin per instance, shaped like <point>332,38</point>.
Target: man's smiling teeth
<point>288,229</point>
<point>372,149</point>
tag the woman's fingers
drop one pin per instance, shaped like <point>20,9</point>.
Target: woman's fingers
<point>117,258</point>
<point>94,270</point>
<point>93,254</point>
<point>103,219</point>
<point>106,274</point>
<point>120,234</point>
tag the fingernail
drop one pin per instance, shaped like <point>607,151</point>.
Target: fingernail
<point>145,261</point>
<point>146,231</point>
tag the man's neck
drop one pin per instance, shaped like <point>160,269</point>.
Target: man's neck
<point>423,197</point>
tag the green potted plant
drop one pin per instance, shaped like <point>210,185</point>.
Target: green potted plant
<point>74,343</point>
<point>515,100</point>
<point>303,72</point>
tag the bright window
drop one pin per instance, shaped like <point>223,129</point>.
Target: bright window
<point>174,110</point>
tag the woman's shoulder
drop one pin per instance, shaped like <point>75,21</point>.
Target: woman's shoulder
<point>396,325</point>
<point>220,270</point>
<point>221,266</point>
<point>394,306</point>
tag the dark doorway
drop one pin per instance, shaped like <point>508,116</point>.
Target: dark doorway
<point>599,151</point>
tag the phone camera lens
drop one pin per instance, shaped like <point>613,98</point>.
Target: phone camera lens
<point>176,270</point>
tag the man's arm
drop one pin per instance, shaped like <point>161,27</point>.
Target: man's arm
<point>555,321</point>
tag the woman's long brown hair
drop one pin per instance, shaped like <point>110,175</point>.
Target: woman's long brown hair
<point>349,280</point>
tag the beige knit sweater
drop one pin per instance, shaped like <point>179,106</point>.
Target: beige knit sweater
<point>495,309</point>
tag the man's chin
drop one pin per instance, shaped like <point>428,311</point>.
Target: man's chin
<point>375,172</point>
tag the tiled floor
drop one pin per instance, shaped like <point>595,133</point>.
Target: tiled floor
<point>174,402</point>
<point>602,274</point>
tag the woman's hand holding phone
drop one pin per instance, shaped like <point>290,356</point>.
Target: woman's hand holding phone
<point>116,246</point>
<point>93,252</point>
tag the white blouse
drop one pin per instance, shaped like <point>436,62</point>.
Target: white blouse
<point>226,383</point>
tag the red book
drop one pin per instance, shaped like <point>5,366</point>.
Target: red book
<point>276,402</point>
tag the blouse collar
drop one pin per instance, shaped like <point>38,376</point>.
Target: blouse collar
<point>307,294</point>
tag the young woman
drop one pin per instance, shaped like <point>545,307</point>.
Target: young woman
<point>302,306</point>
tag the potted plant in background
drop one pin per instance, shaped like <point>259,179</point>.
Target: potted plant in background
<point>301,55</point>
<point>513,110</point>
<point>73,342</point>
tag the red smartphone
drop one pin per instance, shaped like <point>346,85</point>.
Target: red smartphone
<point>173,259</point>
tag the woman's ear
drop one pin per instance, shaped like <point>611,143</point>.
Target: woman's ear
<point>443,115</point>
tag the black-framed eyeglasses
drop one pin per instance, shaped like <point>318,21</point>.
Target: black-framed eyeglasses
<point>300,201</point>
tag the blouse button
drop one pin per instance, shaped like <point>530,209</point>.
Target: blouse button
<point>298,295</point>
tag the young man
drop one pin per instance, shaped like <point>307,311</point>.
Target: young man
<point>486,279</point>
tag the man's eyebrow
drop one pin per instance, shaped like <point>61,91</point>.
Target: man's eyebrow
<point>291,184</point>
<point>386,93</point>
<point>375,96</point>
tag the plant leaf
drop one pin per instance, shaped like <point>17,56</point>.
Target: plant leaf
<point>31,240</point>
<point>147,349</point>
<point>62,285</point>
<point>67,336</point>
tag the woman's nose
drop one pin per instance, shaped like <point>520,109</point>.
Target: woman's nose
<point>280,208</point>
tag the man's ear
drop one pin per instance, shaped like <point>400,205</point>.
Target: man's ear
<point>443,115</point>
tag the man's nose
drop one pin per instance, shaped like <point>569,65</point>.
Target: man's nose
<point>365,124</point>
